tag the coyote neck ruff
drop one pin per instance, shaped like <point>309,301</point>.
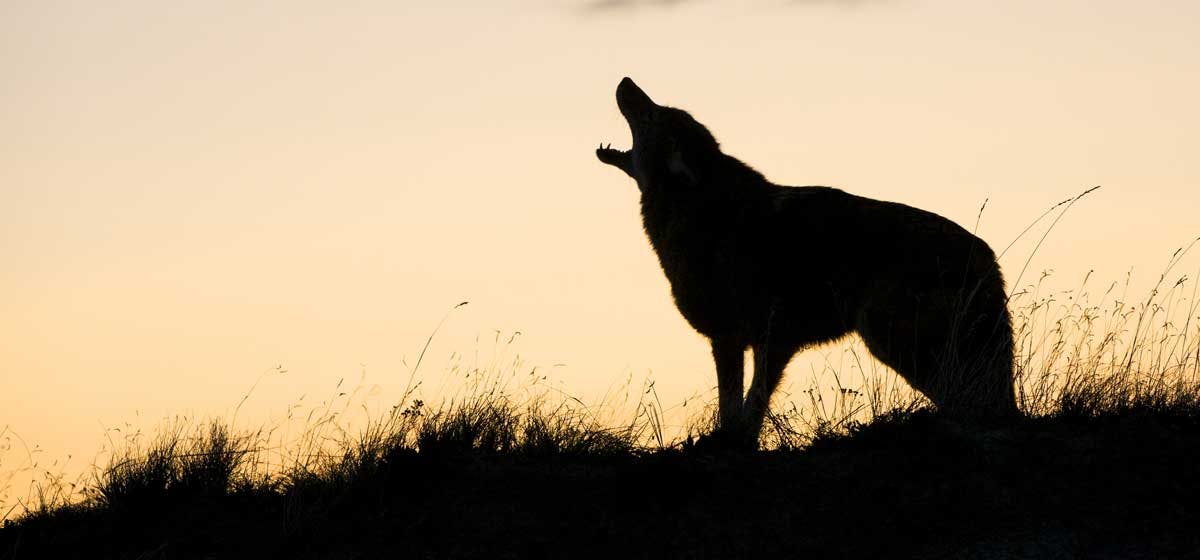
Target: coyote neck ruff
<point>757,265</point>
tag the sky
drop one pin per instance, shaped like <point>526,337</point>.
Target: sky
<point>200,198</point>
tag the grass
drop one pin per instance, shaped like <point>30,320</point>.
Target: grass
<point>1103,465</point>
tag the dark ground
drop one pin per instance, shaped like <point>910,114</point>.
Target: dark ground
<point>1123,486</point>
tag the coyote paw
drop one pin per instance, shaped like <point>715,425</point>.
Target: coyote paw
<point>721,442</point>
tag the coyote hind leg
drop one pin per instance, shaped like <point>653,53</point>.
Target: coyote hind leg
<point>965,369</point>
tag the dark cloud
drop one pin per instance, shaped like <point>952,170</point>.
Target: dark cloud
<point>616,5</point>
<point>621,5</point>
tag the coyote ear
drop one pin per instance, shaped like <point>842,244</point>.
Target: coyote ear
<point>679,167</point>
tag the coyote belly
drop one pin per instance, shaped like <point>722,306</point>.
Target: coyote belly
<point>775,269</point>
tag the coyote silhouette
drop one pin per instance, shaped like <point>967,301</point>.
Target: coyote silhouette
<point>775,269</point>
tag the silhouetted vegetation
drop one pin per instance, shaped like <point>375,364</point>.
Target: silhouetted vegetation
<point>490,481</point>
<point>486,479</point>
<point>1104,464</point>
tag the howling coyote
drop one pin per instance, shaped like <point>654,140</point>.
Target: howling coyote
<point>775,269</point>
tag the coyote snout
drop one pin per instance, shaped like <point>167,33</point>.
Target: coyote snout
<point>633,102</point>
<point>775,269</point>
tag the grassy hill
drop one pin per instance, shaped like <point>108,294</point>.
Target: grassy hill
<point>1105,464</point>
<point>488,481</point>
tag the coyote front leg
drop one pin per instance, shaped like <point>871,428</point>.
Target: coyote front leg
<point>729,357</point>
<point>769,361</point>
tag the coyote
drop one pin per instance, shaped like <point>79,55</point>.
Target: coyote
<point>775,269</point>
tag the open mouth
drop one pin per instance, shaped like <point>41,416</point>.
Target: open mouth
<point>635,105</point>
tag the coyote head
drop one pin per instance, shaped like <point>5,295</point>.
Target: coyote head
<point>670,149</point>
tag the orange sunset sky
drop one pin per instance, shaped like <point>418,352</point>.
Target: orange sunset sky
<point>193,193</point>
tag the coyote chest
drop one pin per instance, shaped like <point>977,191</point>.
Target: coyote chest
<point>705,263</point>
